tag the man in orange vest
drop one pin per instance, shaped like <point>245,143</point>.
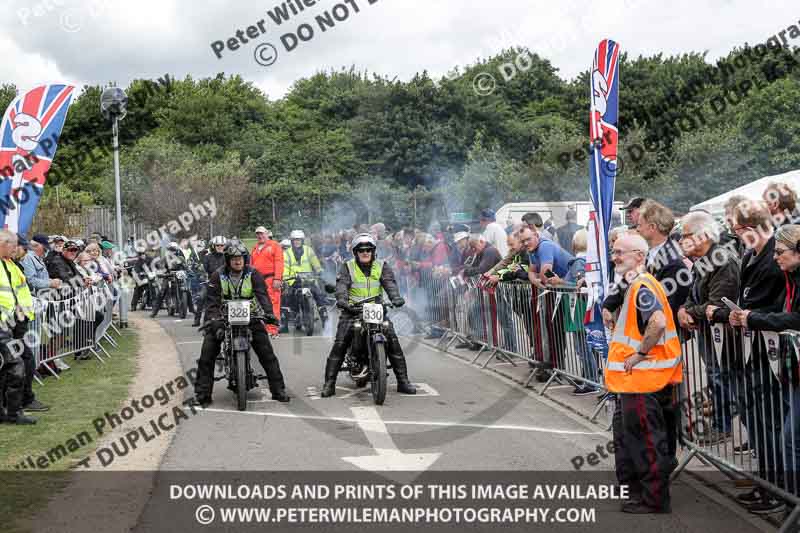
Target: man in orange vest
<point>267,259</point>
<point>644,362</point>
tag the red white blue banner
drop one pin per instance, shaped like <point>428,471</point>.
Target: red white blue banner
<point>31,128</point>
<point>603,138</point>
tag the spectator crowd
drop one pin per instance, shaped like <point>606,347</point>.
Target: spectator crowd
<point>684,293</point>
<point>702,279</point>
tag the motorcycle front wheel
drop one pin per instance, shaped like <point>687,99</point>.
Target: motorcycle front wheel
<point>183,304</point>
<point>241,380</point>
<point>171,303</point>
<point>309,313</point>
<point>378,367</point>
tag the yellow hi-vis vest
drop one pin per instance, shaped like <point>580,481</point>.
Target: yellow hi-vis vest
<point>663,365</point>
<point>9,287</point>
<point>245,291</point>
<point>362,286</point>
<point>308,263</point>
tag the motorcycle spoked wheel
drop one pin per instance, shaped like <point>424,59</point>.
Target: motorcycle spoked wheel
<point>183,305</point>
<point>241,380</point>
<point>378,374</point>
<point>171,303</point>
<point>309,313</point>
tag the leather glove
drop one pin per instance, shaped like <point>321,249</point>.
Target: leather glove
<point>346,307</point>
<point>399,301</point>
<point>272,320</point>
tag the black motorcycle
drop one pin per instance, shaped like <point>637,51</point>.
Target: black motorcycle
<point>176,299</point>
<point>151,289</point>
<point>366,359</point>
<point>235,353</point>
<point>305,310</point>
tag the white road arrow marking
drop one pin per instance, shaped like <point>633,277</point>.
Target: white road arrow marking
<point>423,391</point>
<point>388,457</point>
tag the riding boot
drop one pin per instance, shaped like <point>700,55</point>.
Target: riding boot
<point>332,367</point>
<point>401,373</point>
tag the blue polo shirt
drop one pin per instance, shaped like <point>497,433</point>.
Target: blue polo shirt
<point>549,252</point>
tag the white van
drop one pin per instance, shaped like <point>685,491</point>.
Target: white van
<point>512,213</point>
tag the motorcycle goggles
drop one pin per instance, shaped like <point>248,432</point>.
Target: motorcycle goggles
<point>364,249</point>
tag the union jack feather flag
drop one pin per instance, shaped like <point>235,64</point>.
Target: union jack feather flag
<point>603,137</point>
<point>31,128</point>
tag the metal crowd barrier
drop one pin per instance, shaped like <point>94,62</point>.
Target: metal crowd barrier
<point>739,403</point>
<point>71,326</point>
<point>515,321</point>
<point>740,406</point>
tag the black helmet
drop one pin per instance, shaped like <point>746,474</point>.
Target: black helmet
<point>235,249</point>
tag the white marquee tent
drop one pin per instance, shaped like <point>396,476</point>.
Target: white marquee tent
<point>754,190</point>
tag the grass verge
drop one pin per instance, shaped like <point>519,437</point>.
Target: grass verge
<point>84,392</point>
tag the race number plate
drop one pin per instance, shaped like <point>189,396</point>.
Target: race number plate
<point>239,312</point>
<point>372,313</point>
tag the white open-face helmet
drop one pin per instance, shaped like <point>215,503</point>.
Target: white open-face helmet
<point>219,239</point>
<point>286,243</point>
<point>297,234</point>
<point>363,240</point>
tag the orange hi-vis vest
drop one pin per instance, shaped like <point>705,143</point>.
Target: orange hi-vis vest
<point>663,366</point>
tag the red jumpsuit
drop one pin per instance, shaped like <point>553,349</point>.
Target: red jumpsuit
<point>268,260</point>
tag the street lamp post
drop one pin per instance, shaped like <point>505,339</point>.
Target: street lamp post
<point>113,105</point>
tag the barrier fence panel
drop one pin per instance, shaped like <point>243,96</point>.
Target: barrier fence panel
<point>739,405</point>
<point>737,409</point>
<point>571,355</point>
<point>71,326</point>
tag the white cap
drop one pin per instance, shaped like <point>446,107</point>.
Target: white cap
<point>460,235</point>
<point>262,229</point>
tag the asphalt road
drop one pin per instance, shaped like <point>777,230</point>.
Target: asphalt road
<point>463,422</point>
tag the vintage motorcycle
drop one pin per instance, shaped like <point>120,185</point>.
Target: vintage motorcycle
<point>176,299</point>
<point>366,360</point>
<point>235,352</point>
<point>305,310</point>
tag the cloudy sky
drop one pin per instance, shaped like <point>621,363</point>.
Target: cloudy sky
<point>101,41</point>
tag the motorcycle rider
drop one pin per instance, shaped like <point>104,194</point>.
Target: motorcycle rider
<point>194,276</point>
<point>364,277</point>
<point>142,267</point>
<point>213,260</point>
<point>175,262</point>
<point>301,258</point>
<point>237,281</point>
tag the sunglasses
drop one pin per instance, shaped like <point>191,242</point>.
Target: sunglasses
<point>363,250</point>
<point>72,249</point>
